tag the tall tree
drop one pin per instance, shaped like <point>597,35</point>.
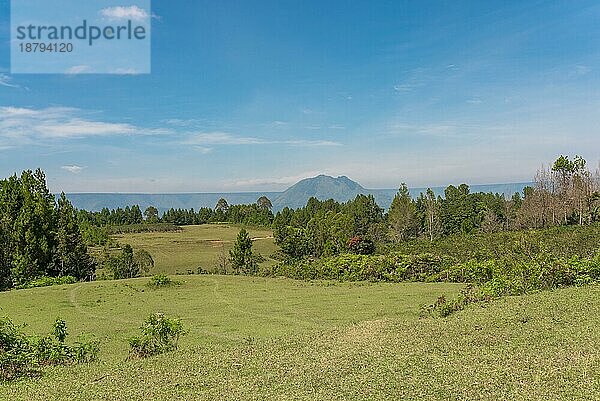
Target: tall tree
<point>33,229</point>
<point>151,214</point>
<point>5,277</point>
<point>402,216</point>
<point>222,205</point>
<point>72,258</point>
<point>221,209</point>
<point>433,224</point>
<point>241,255</point>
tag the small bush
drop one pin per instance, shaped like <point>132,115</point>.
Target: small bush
<point>22,355</point>
<point>444,307</point>
<point>161,281</point>
<point>160,334</point>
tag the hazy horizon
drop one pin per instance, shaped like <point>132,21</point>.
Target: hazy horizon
<point>282,189</point>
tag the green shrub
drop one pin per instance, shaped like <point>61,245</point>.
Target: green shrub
<point>444,307</point>
<point>492,278</point>
<point>393,267</point>
<point>159,334</point>
<point>48,281</point>
<point>17,358</point>
<point>161,281</point>
<point>22,355</point>
<point>129,264</point>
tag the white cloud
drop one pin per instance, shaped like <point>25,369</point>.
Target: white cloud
<point>405,87</point>
<point>270,181</point>
<point>579,70</point>
<point>77,127</point>
<point>221,138</point>
<point>475,100</point>
<point>78,69</point>
<point>224,138</point>
<point>303,142</point>
<point>125,71</point>
<point>29,126</point>
<point>132,12</point>
<point>5,80</point>
<point>203,149</point>
<point>73,169</point>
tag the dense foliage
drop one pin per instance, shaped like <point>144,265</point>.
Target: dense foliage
<point>24,355</point>
<point>159,334</point>
<point>494,277</point>
<point>128,264</point>
<point>48,281</point>
<point>38,235</point>
<point>323,228</point>
<point>567,194</point>
<point>161,281</point>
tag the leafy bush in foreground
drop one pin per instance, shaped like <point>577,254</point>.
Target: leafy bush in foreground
<point>160,334</point>
<point>23,355</point>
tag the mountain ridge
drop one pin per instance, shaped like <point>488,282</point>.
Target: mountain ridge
<point>322,187</point>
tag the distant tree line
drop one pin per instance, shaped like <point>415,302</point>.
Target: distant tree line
<point>39,235</point>
<point>256,214</point>
<point>566,193</point>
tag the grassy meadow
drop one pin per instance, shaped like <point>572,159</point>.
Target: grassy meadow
<point>257,338</point>
<point>184,251</point>
<point>253,338</point>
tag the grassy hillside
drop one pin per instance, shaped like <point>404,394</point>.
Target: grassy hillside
<point>254,338</point>
<point>195,246</point>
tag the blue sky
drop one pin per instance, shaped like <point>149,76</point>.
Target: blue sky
<point>254,95</point>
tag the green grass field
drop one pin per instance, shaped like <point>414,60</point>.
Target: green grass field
<point>195,246</point>
<point>255,339</point>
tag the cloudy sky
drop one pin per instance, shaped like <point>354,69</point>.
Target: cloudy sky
<point>254,95</point>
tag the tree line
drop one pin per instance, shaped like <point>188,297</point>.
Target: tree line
<point>565,193</point>
<point>45,236</point>
<point>39,235</point>
<point>256,214</point>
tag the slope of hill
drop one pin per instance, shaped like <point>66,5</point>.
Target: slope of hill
<point>273,339</point>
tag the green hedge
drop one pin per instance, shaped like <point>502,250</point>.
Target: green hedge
<point>495,276</point>
<point>48,281</point>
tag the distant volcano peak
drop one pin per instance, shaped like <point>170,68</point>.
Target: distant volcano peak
<point>322,187</point>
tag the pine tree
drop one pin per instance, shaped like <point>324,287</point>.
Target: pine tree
<point>402,216</point>
<point>33,229</point>
<point>72,258</point>
<point>241,255</point>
